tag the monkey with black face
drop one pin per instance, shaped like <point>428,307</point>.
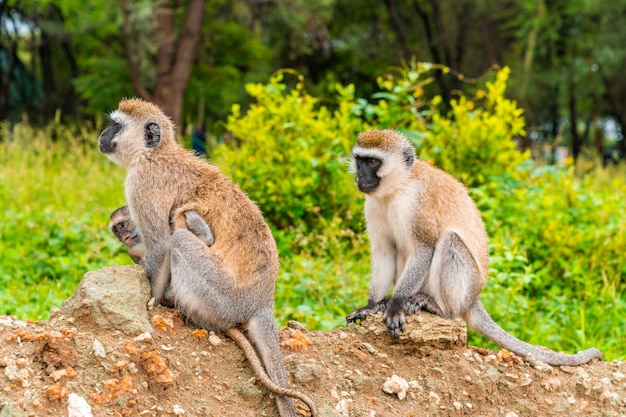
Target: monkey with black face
<point>229,284</point>
<point>427,240</point>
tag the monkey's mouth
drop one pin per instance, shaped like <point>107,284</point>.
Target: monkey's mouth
<point>131,238</point>
<point>367,187</point>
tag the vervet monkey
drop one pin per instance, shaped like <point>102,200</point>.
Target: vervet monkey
<point>124,229</point>
<point>228,284</point>
<point>428,240</point>
<point>126,232</point>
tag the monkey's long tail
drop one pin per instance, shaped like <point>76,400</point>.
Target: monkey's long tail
<point>479,319</point>
<point>250,354</point>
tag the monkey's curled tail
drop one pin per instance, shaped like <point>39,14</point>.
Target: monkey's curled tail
<point>479,319</point>
<point>251,355</point>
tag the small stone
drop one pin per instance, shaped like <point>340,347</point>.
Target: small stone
<point>98,349</point>
<point>537,364</point>
<point>306,373</point>
<point>214,339</point>
<point>511,414</point>
<point>551,384</point>
<point>435,397</point>
<point>143,337</point>
<point>249,391</point>
<point>457,405</point>
<point>178,410</point>
<point>77,406</point>
<point>396,385</point>
<point>491,374</point>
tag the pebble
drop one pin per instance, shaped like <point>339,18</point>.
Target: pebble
<point>435,397</point>
<point>98,349</point>
<point>77,406</point>
<point>144,337</point>
<point>396,385</point>
<point>214,339</point>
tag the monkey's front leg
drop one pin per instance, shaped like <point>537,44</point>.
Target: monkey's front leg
<point>409,284</point>
<point>383,272</point>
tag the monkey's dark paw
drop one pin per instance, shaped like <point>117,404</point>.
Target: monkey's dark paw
<point>359,314</point>
<point>381,307</point>
<point>414,304</point>
<point>394,318</point>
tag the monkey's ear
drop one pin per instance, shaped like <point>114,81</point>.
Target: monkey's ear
<point>407,153</point>
<point>152,135</point>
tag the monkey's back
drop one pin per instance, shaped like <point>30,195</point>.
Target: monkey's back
<point>243,241</point>
<point>440,193</point>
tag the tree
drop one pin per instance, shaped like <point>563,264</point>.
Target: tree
<point>162,75</point>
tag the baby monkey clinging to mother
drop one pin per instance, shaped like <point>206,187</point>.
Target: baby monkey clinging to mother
<point>428,239</point>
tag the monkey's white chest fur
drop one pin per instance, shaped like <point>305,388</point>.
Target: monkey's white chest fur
<point>391,220</point>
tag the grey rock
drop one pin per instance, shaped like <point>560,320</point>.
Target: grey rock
<point>306,373</point>
<point>113,297</point>
<point>11,410</point>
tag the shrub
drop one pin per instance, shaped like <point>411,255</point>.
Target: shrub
<point>291,154</point>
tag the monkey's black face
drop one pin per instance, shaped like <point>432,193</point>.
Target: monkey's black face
<point>367,179</point>
<point>105,142</point>
<point>126,232</point>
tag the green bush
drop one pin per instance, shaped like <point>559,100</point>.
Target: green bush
<point>291,154</point>
<point>556,239</point>
<point>57,192</point>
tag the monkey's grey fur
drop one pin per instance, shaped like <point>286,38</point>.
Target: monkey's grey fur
<point>229,284</point>
<point>428,239</point>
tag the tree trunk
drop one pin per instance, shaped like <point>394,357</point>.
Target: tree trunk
<point>173,58</point>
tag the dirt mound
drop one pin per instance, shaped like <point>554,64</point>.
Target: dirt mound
<point>74,365</point>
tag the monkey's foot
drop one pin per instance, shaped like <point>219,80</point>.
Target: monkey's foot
<point>168,298</point>
<point>371,308</point>
<point>394,317</point>
<point>422,302</point>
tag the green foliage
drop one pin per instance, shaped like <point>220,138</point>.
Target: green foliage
<point>556,238</point>
<point>56,198</point>
<point>475,142</point>
<point>558,251</point>
<point>291,154</point>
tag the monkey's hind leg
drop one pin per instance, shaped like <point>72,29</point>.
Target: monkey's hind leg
<point>424,302</point>
<point>454,280</point>
<point>371,308</point>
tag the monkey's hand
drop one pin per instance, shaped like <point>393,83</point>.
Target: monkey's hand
<point>372,307</point>
<point>199,227</point>
<point>394,317</point>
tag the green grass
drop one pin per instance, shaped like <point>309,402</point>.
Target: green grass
<point>56,198</point>
<point>557,245</point>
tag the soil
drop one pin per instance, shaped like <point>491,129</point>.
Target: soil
<point>64,367</point>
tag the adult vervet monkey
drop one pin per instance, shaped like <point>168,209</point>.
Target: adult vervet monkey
<point>228,284</point>
<point>429,241</point>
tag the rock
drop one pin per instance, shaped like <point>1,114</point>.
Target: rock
<point>98,349</point>
<point>112,297</point>
<point>423,331</point>
<point>537,364</point>
<point>306,373</point>
<point>396,385</point>
<point>250,391</point>
<point>77,406</point>
<point>11,410</point>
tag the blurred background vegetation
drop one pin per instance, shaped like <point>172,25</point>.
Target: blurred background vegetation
<point>523,101</point>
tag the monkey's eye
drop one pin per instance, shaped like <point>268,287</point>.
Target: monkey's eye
<point>123,225</point>
<point>374,162</point>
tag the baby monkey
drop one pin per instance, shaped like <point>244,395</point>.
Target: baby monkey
<point>125,230</point>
